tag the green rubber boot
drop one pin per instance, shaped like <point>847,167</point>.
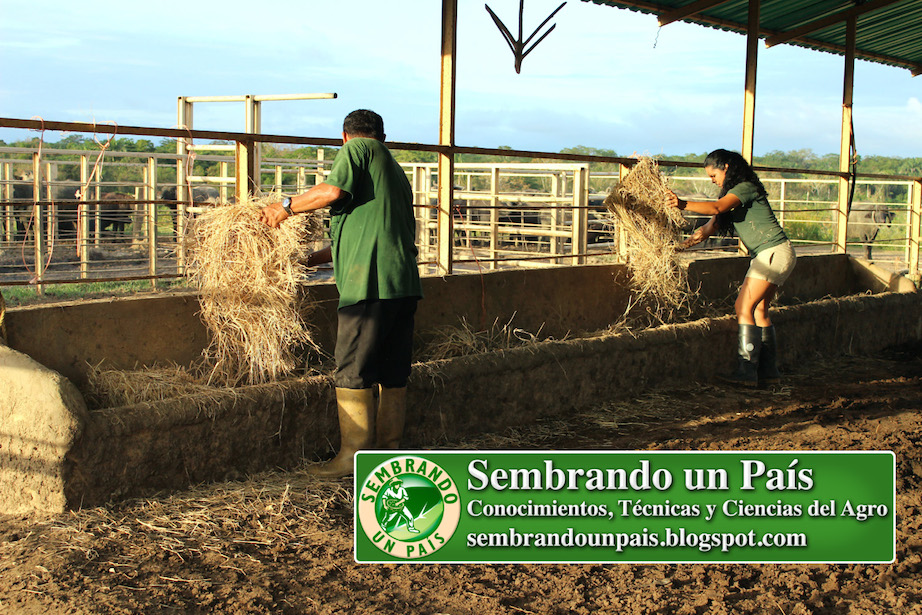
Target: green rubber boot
<point>356,431</point>
<point>392,412</point>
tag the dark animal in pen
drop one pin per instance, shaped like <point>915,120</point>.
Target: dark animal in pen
<point>865,221</point>
<point>65,210</point>
<point>200,194</point>
<point>599,225</point>
<point>518,218</point>
<point>470,212</point>
<point>116,211</point>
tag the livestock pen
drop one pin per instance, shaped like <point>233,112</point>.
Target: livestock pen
<point>61,451</point>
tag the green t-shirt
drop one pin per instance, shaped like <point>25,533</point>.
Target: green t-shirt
<point>373,230</point>
<point>754,221</point>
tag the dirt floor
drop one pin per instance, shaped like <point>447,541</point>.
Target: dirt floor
<point>281,543</point>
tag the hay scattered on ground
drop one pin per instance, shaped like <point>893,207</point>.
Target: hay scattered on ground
<point>651,237</point>
<point>462,340</point>
<point>249,278</point>
<point>221,524</point>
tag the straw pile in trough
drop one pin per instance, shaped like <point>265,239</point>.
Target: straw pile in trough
<point>651,235</point>
<point>111,388</point>
<point>249,277</point>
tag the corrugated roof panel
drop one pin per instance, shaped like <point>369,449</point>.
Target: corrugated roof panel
<point>890,34</point>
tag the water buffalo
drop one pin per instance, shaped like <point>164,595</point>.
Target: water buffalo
<point>521,217</point>
<point>116,212</point>
<point>865,221</point>
<point>65,208</point>
<point>599,221</point>
<point>200,194</point>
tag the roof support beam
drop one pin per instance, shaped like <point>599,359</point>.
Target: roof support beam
<point>447,134</point>
<point>687,11</point>
<point>847,143</point>
<point>819,24</point>
<point>749,100</point>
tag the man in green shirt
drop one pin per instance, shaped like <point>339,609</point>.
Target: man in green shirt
<point>373,233</point>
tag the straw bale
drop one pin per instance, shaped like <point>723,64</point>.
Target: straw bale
<point>249,279</point>
<point>651,237</point>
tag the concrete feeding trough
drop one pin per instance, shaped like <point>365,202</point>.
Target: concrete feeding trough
<point>56,453</point>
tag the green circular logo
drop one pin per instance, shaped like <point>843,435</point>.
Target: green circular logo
<point>408,507</point>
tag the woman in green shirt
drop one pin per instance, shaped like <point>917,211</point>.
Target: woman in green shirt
<point>742,205</point>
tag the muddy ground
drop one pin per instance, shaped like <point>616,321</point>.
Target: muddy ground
<point>281,542</point>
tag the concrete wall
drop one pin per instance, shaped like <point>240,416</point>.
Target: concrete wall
<point>135,450</point>
<point>164,328</point>
<point>55,454</point>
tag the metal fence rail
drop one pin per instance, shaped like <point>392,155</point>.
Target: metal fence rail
<point>68,215</point>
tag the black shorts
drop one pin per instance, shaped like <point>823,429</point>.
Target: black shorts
<point>374,343</point>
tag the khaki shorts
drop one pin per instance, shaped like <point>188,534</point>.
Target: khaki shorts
<point>773,265</point>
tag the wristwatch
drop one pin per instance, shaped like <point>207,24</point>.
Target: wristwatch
<point>286,205</point>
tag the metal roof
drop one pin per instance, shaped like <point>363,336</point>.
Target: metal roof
<point>888,31</point>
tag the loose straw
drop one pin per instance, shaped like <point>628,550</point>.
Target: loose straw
<point>249,278</point>
<point>651,234</point>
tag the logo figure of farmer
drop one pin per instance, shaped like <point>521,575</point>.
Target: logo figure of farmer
<point>394,507</point>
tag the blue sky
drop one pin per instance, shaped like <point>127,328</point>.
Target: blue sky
<point>605,77</point>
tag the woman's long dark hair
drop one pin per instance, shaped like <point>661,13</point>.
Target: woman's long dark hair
<point>737,171</point>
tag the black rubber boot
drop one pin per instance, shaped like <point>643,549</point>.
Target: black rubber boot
<point>768,358</point>
<point>747,370</point>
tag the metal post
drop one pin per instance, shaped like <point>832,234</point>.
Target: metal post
<point>319,176</point>
<point>245,169</point>
<point>623,170</point>
<point>558,181</point>
<point>150,190</point>
<point>781,203</point>
<point>421,210</point>
<point>51,212</point>
<point>222,190</point>
<point>183,150</point>
<point>845,147</point>
<point>9,218</point>
<point>37,230</point>
<point>749,99</point>
<point>580,213</point>
<point>494,217</point>
<point>915,231</point>
<point>253,126</point>
<point>447,135</point>
<point>83,217</point>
